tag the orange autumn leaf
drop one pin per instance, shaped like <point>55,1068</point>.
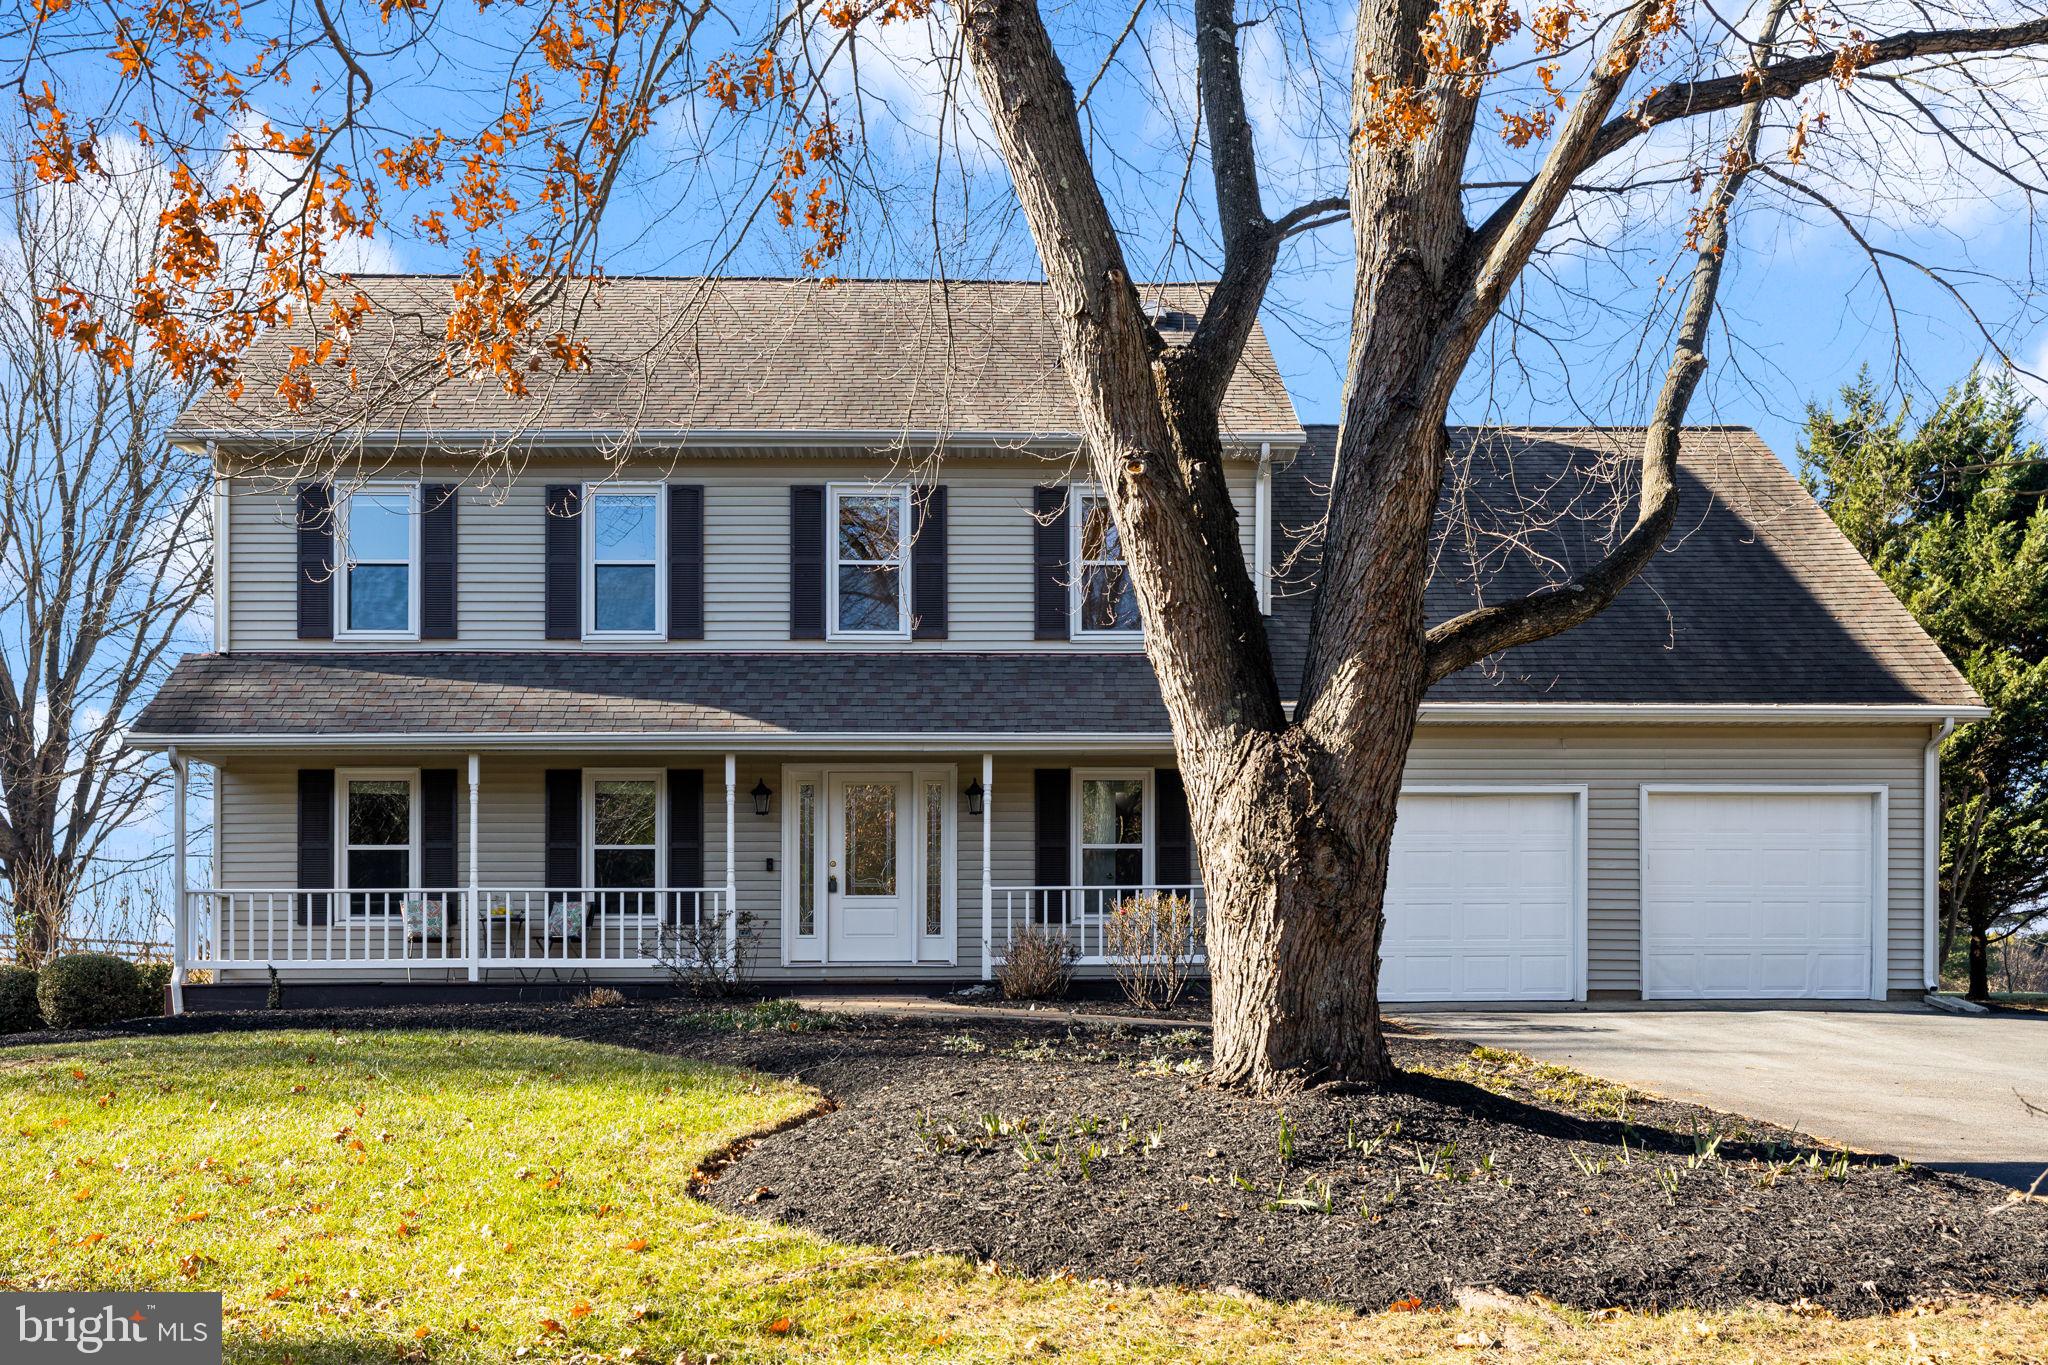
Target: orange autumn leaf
<point>1408,1305</point>
<point>548,1325</point>
<point>76,1074</point>
<point>780,1327</point>
<point>637,1244</point>
<point>92,1239</point>
<point>421,1333</point>
<point>581,1309</point>
<point>84,1193</point>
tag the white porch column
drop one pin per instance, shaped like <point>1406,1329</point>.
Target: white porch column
<point>988,864</point>
<point>732,880</point>
<point>473,909</point>
<point>181,912</point>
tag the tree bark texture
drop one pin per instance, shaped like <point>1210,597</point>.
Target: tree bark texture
<point>1294,814</point>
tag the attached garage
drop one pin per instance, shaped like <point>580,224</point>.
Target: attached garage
<point>1762,893</point>
<point>1486,896</point>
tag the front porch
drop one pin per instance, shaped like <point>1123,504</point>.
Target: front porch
<point>537,868</point>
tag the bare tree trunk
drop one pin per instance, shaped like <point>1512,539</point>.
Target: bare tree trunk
<point>1980,963</point>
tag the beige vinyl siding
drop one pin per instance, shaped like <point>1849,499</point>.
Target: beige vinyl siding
<point>746,554</point>
<point>258,817</point>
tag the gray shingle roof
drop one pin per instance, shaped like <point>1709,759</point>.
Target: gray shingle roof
<point>1756,600</point>
<point>755,355</point>
<point>311,694</point>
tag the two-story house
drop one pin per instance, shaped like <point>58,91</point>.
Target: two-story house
<point>804,630</point>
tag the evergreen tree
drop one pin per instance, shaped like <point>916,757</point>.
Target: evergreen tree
<point>1951,515</point>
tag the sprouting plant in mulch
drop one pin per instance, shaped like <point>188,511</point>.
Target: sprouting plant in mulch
<point>1369,1147</point>
<point>1086,1158</point>
<point>966,1044</point>
<point>1241,1183</point>
<point>1706,1149</point>
<point>1588,1166</point>
<point>1285,1140</point>
<point>1315,1197</point>
<point>781,1016</point>
<point>1158,1065</point>
<point>1021,1051</point>
<point>1183,1039</point>
<point>935,1137</point>
<point>1389,1197</point>
<point>1439,1163</point>
<point>1668,1179</point>
<point>600,998</point>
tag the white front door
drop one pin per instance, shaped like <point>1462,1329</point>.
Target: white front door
<point>869,868</point>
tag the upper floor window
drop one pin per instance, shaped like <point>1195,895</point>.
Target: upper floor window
<point>1105,600</point>
<point>379,581</point>
<point>869,589</point>
<point>623,548</point>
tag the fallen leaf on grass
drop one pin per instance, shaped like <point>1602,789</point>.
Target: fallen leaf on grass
<point>548,1325</point>
<point>92,1239</point>
<point>422,1333</point>
<point>637,1244</point>
<point>780,1327</point>
<point>1408,1305</point>
<point>581,1309</point>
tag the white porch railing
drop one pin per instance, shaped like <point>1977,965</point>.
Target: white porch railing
<point>1082,915</point>
<point>454,928</point>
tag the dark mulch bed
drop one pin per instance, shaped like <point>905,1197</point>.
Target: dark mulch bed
<point>1101,1152</point>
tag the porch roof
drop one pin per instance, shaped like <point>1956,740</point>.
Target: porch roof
<point>679,694</point>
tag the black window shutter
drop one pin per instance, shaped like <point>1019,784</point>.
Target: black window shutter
<point>807,561</point>
<point>686,829</point>
<point>1052,839</point>
<point>316,841</point>
<point>562,827</point>
<point>686,561</point>
<point>1050,575</point>
<point>562,563</point>
<point>437,564</point>
<point>437,829</point>
<point>928,564</point>
<point>1173,843</point>
<point>316,561</point>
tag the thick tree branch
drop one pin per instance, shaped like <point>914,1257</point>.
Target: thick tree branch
<point>1464,640</point>
<point>1776,80</point>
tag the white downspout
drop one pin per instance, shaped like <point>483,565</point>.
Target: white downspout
<point>1930,838</point>
<point>223,508</point>
<point>181,911</point>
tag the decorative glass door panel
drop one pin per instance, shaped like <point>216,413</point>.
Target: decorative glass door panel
<point>868,867</point>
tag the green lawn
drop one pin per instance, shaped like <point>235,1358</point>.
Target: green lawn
<point>475,1197</point>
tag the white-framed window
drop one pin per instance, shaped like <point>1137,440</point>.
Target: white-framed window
<point>378,814</point>
<point>1113,827</point>
<point>623,830</point>
<point>868,590</point>
<point>1105,601</point>
<point>378,588</point>
<point>624,542</point>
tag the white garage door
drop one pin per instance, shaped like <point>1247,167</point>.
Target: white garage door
<point>1757,895</point>
<point>1482,898</point>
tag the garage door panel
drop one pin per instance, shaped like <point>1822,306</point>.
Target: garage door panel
<point>1757,895</point>
<point>1481,898</point>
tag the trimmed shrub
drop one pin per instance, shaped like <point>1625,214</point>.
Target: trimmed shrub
<point>1039,966</point>
<point>150,1000</point>
<point>18,1012</point>
<point>86,990</point>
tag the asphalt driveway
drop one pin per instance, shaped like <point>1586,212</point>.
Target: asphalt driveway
<point>1938,1089</point>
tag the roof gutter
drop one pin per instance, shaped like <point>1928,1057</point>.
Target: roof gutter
<point>1649,713</point>
<point>1123,741</point>
<point>583,437</point>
